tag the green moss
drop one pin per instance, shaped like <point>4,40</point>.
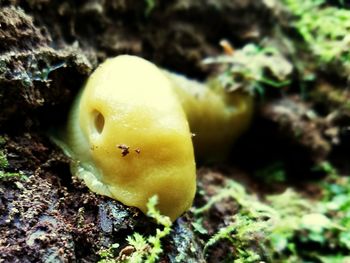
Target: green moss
<point>280,228</point>
<point>4,166</point>
<point>2,140</point>
<point>325,30</point>
<point>245,227</point>
<point>274,173</point>
<point>107,255</point>
<point>8,175</point>
<point>153,243</point>
<point>3,160</point>
<point>150,5</point>
<point>146,249</point>
<point>253,68</point>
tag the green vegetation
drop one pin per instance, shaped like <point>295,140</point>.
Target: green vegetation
<point>324,32</point>
<point>150,5</point>
<point>274,173</point>
<point>252,68</point>
<point>8,175</point>
<point>149,249</point>
<point>286,227</point>
<point>3,160</point>
<point>5,175</point>
<point>145,249</point>
<point>325,29</point>
<point>242,230</point>
<point>2,140</point>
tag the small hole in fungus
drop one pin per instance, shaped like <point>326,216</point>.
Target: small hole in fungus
<point>99,121</point>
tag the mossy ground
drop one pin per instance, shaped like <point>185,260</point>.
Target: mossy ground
<point>282,196</point>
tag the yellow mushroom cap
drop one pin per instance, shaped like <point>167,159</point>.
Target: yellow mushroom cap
<point>131,137</point>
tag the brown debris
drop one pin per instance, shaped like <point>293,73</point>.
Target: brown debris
<point>172,34</point>
<point>51,215</point>
<point>124,148</point>
<point>300,124</point>
<point>18,32</point>
<point>125,253</point>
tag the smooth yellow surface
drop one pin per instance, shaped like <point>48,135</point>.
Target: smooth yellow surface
<point>216,117</point>
<point>129,132</point>
<point>128,102</point>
